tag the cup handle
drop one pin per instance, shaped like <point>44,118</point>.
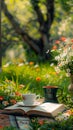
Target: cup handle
<point>38,97</point>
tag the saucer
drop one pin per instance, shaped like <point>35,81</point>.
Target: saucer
<point>36,103</point>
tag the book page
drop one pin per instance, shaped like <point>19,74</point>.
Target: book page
<point>17,109</point>
<point>45,109</point>
<point>51,109</point>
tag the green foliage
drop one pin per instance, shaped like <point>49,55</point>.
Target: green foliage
<point>66,5</point>
<point>9,37</point>
<point>34,124</point>
<point>34,2</point>
<point>18,78</point>
<point>9,128</point>
<point>56,125</point>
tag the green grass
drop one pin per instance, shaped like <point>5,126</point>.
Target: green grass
<point>34,76</point>
<point>27,75</point>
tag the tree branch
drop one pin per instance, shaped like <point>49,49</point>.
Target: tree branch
<point>50,12</point>
<point>38,11</point>
<point>16,26</point>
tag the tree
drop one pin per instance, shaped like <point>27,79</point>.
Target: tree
<point>41,44</point>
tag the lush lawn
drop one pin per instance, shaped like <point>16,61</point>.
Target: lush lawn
<point>18,78</point>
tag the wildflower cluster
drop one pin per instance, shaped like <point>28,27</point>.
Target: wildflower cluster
<point>36,123</point>
<point>9,93</point>
<point>46,124</point>
<point>64,47</point>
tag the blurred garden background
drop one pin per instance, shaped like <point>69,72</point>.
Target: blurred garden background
<point>32,34</point>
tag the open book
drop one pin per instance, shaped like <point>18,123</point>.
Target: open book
<point>45,109</point>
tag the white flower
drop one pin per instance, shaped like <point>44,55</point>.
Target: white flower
<point>68,70</point>
<point>52,64</point>
<point>57,69</point>
<point>21,64</point>
<point>65,55</point>
<point>36,66</point>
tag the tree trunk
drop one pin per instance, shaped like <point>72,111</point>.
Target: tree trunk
<point>45,25</point>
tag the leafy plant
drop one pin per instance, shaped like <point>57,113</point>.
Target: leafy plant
<point>56,125</point>
<point>10,93</point>
<point>9,128</point>
<point>64,47</point>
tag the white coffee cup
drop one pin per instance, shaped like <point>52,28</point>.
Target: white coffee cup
<point>29,99</point>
